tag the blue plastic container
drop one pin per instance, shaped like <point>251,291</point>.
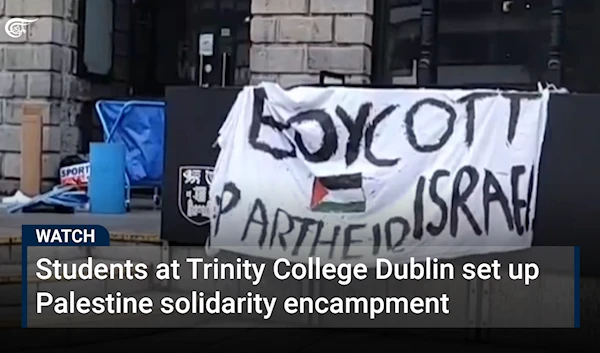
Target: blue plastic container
<point>107,178</point>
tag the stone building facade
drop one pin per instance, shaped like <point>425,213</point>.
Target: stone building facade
<point>292,41</point>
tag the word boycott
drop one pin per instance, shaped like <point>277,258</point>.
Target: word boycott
<point>357,127</point>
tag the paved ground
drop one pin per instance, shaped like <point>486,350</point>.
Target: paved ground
<point>136,222</point>
<point>283,340</point>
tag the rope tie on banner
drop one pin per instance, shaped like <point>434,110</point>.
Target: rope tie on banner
<point>551,87</point>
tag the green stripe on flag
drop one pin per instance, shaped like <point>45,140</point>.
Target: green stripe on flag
<point>334,207</point>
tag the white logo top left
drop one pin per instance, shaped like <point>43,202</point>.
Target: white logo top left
<point>16,27</point>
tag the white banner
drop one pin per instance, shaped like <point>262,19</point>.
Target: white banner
<point>351,174</point>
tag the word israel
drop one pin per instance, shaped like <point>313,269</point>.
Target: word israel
<point>352,174</point>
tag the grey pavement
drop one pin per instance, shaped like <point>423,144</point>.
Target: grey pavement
<point>144,222</point>
<point>297,341</point>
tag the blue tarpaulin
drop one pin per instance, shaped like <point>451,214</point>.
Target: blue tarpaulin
<point>140,126</point>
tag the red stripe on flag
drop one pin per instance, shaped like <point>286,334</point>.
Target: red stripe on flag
<point>318,194</point>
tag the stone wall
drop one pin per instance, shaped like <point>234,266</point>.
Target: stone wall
<point>40,67</point>
<point>292,40</point>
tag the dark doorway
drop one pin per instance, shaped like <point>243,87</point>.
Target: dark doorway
<point>218,31</point>
<point>190,42</point>
<point>581,51</point>
<point>143,48</point>
<point>493,41</point>
<point>397,41</point>
<point>465,42</point>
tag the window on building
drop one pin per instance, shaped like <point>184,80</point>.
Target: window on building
<point>95,52</point>
<point>492,41</point>
<point>398,42</point>
<point>581,51</point>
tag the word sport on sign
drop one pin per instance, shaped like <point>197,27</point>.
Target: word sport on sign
<point>354,174</point>
<point>78,174</point>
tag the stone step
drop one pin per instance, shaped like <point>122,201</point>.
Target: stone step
<point>10,284</point>
<point>133,247</point>
<point>10,251</point>
<point>135,320</point>
<point>10,316</point>
<point>115,238</point>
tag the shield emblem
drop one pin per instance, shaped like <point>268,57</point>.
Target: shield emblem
<point>194,184</point>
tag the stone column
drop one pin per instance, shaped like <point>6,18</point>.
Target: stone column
<point>554,68</point>
<point>427,68</point>
<point>293,40</point>
<point>40,67</point>
<point>31,70</point>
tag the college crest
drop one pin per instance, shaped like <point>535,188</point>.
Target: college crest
<point>194,184</point>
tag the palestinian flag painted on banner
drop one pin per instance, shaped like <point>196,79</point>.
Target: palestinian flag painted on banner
<point>338,194</point>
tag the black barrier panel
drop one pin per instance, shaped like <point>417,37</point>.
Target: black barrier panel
<point>568,209</point>
<point>568,203</point>
<point>194,117</point>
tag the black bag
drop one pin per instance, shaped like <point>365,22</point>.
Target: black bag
<point>70,160</point>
